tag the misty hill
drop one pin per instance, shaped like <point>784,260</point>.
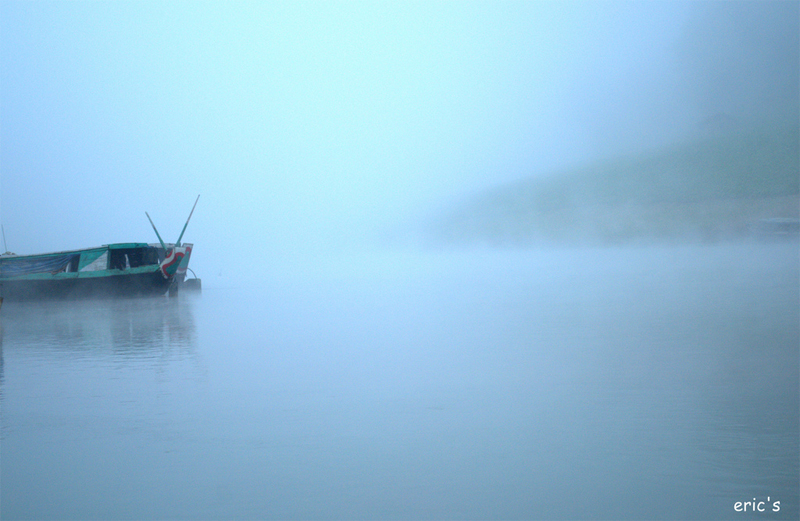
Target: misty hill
<point>716,187</point>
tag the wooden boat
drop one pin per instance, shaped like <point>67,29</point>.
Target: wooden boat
<point>122,269</point>
<point>113,269</point>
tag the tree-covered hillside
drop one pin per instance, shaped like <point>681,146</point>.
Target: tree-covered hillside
<point>717,187</point>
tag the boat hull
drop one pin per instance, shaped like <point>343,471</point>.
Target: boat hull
<point>109,284</point>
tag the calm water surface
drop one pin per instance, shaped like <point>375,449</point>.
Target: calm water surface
<point>630,383</point>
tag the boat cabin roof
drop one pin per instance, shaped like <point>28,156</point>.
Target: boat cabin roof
<point>126,245</point>
<point>115,246</point>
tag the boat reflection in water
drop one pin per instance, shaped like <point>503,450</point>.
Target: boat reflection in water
<point>131,326</point>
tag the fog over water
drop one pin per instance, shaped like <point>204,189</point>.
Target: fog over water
<point>609,383</point>
<point>307,127</point>
<point>341,362</point>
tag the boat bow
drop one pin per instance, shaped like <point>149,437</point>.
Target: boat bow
<point>169,266</point>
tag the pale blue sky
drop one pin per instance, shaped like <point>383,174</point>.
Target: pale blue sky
<point>310,124</point>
